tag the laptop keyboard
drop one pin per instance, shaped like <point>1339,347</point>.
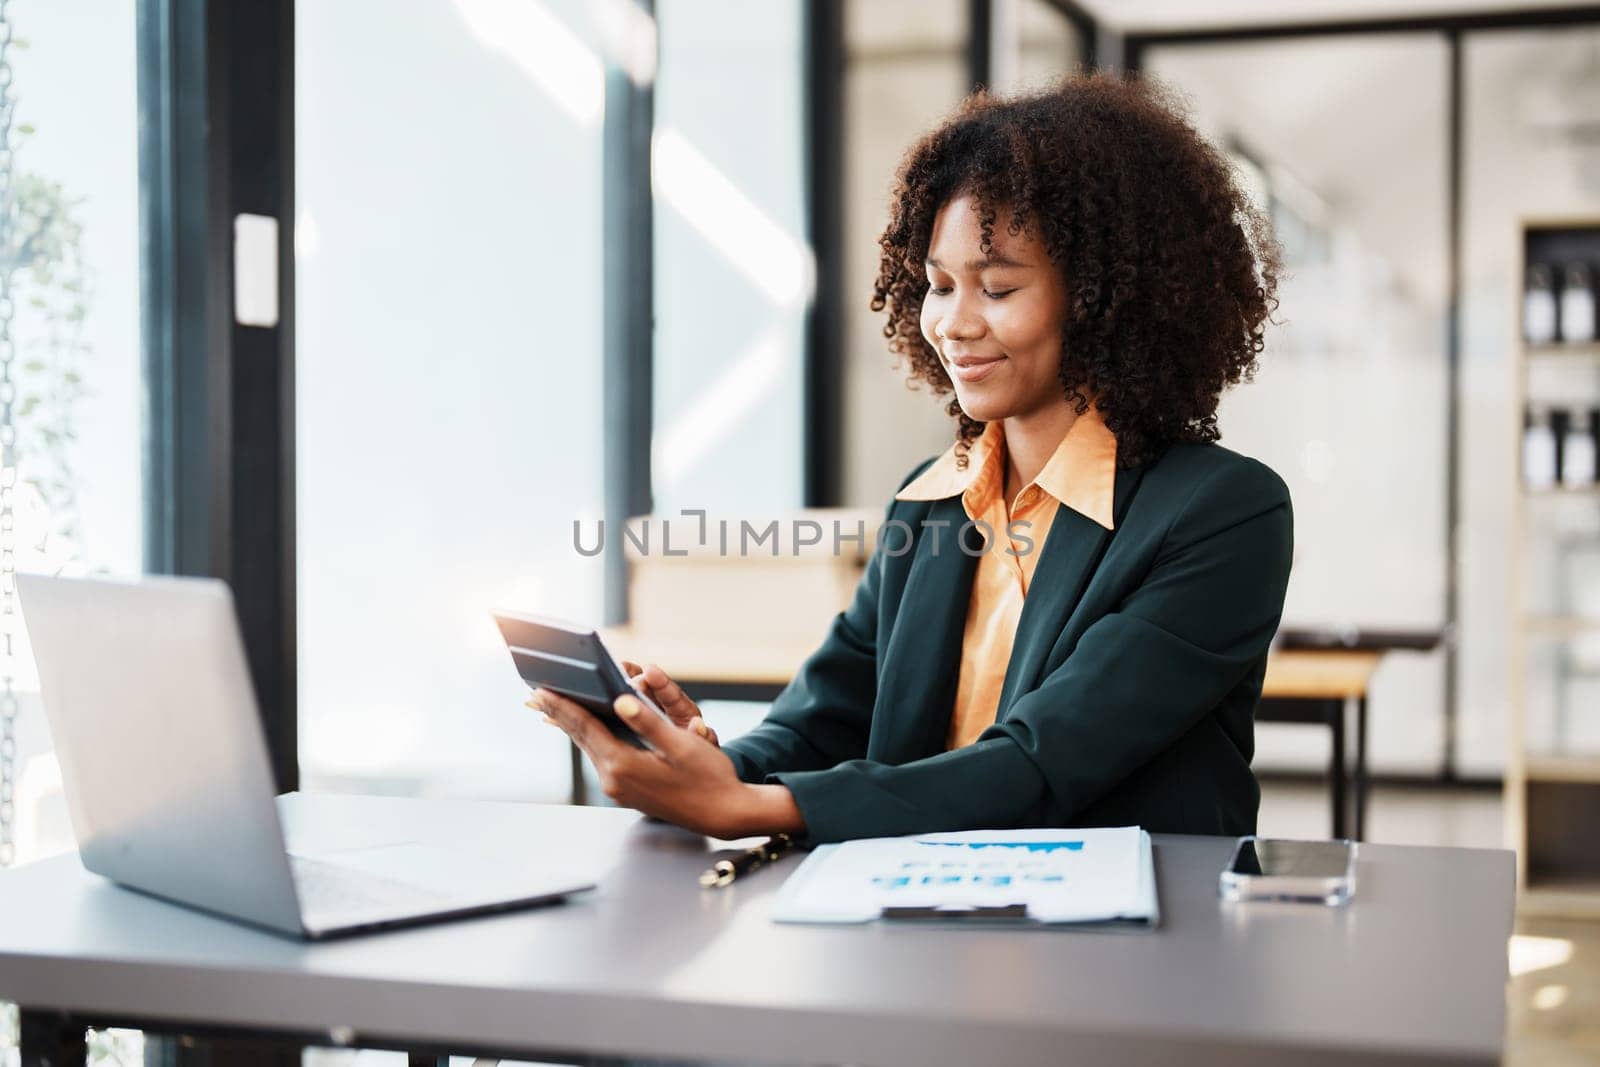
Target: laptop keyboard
<point>327,888</point>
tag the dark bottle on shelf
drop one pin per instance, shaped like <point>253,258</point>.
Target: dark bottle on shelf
<point>1578,452</point>
<point>1594,439</point>
<point>1539,306</point>
<point>1560,420</point>
<point>1538,450</point>
<point>1577,305</point>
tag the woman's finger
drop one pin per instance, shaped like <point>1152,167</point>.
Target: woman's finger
<point>635,675</point>
<point>669,695</point>
<point>639,685</point>
<point>575,738</point>
<point>540,700</point>
<point>659,734</point>
<point>584,729</point>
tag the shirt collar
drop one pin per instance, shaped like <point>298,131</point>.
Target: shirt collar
<point>1080,474</point>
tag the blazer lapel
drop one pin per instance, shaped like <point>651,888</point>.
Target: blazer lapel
<point>1072,551</point>
<point>918,689</point>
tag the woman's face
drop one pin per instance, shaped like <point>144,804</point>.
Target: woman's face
<point>994,319</point>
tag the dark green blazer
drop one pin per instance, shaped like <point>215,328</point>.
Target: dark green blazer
<point>1130,695</point>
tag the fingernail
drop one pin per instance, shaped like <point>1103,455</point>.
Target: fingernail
<point>700,727</point>
<point>627,707</point>
<point>549,721</point>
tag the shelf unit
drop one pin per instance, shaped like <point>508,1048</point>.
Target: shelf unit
<point>1552,798</point>
<point>1560,625</point>
<point>1558,491</point>
<point>1558,350</point>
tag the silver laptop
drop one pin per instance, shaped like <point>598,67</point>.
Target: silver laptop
<point>168,782</point>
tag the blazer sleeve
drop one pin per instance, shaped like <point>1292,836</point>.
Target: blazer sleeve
<point>1138,679</point>
<point>824,716</point>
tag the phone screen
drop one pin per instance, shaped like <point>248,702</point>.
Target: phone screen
<point>1293,859</point>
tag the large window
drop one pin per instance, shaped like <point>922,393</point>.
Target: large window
<point>72,503</point>
<point>448,176</point>
<point>734,272</point>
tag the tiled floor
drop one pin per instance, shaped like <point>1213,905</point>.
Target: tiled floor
<point>1553,1015</point>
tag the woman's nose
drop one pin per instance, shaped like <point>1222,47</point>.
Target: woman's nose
<point>960,326</point>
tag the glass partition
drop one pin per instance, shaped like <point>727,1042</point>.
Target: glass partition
<point>1529,158</point>
<point>1048,44</point>
<point>1344,138</point>
<point>905,69</point>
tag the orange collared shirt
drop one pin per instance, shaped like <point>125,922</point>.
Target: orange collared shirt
<point>1081,474</point>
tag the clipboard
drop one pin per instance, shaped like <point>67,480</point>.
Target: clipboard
<point>1068,879</point>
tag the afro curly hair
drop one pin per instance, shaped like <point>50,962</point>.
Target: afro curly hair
<point>1171,271</point>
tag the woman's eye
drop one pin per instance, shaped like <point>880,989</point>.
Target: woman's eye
<point>945,290</point>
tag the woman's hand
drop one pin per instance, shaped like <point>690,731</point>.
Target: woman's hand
<point>669,696</point>
<point>682,778</point>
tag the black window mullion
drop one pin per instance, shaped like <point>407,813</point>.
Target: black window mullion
<point>216,86</point>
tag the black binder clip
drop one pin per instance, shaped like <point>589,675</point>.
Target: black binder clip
<point>965,913</point>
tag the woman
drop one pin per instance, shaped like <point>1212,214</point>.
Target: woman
<point>1067,619</point>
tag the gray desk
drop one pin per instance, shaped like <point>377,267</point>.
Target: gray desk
<point>649,964</point>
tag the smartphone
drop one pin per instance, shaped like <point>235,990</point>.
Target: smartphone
<point>1270,868</point>
<point>573,661</point>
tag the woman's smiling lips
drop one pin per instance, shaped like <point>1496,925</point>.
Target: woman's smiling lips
<point>970,369</point>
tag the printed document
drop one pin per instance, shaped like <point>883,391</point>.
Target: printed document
<point>1042,876</point>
